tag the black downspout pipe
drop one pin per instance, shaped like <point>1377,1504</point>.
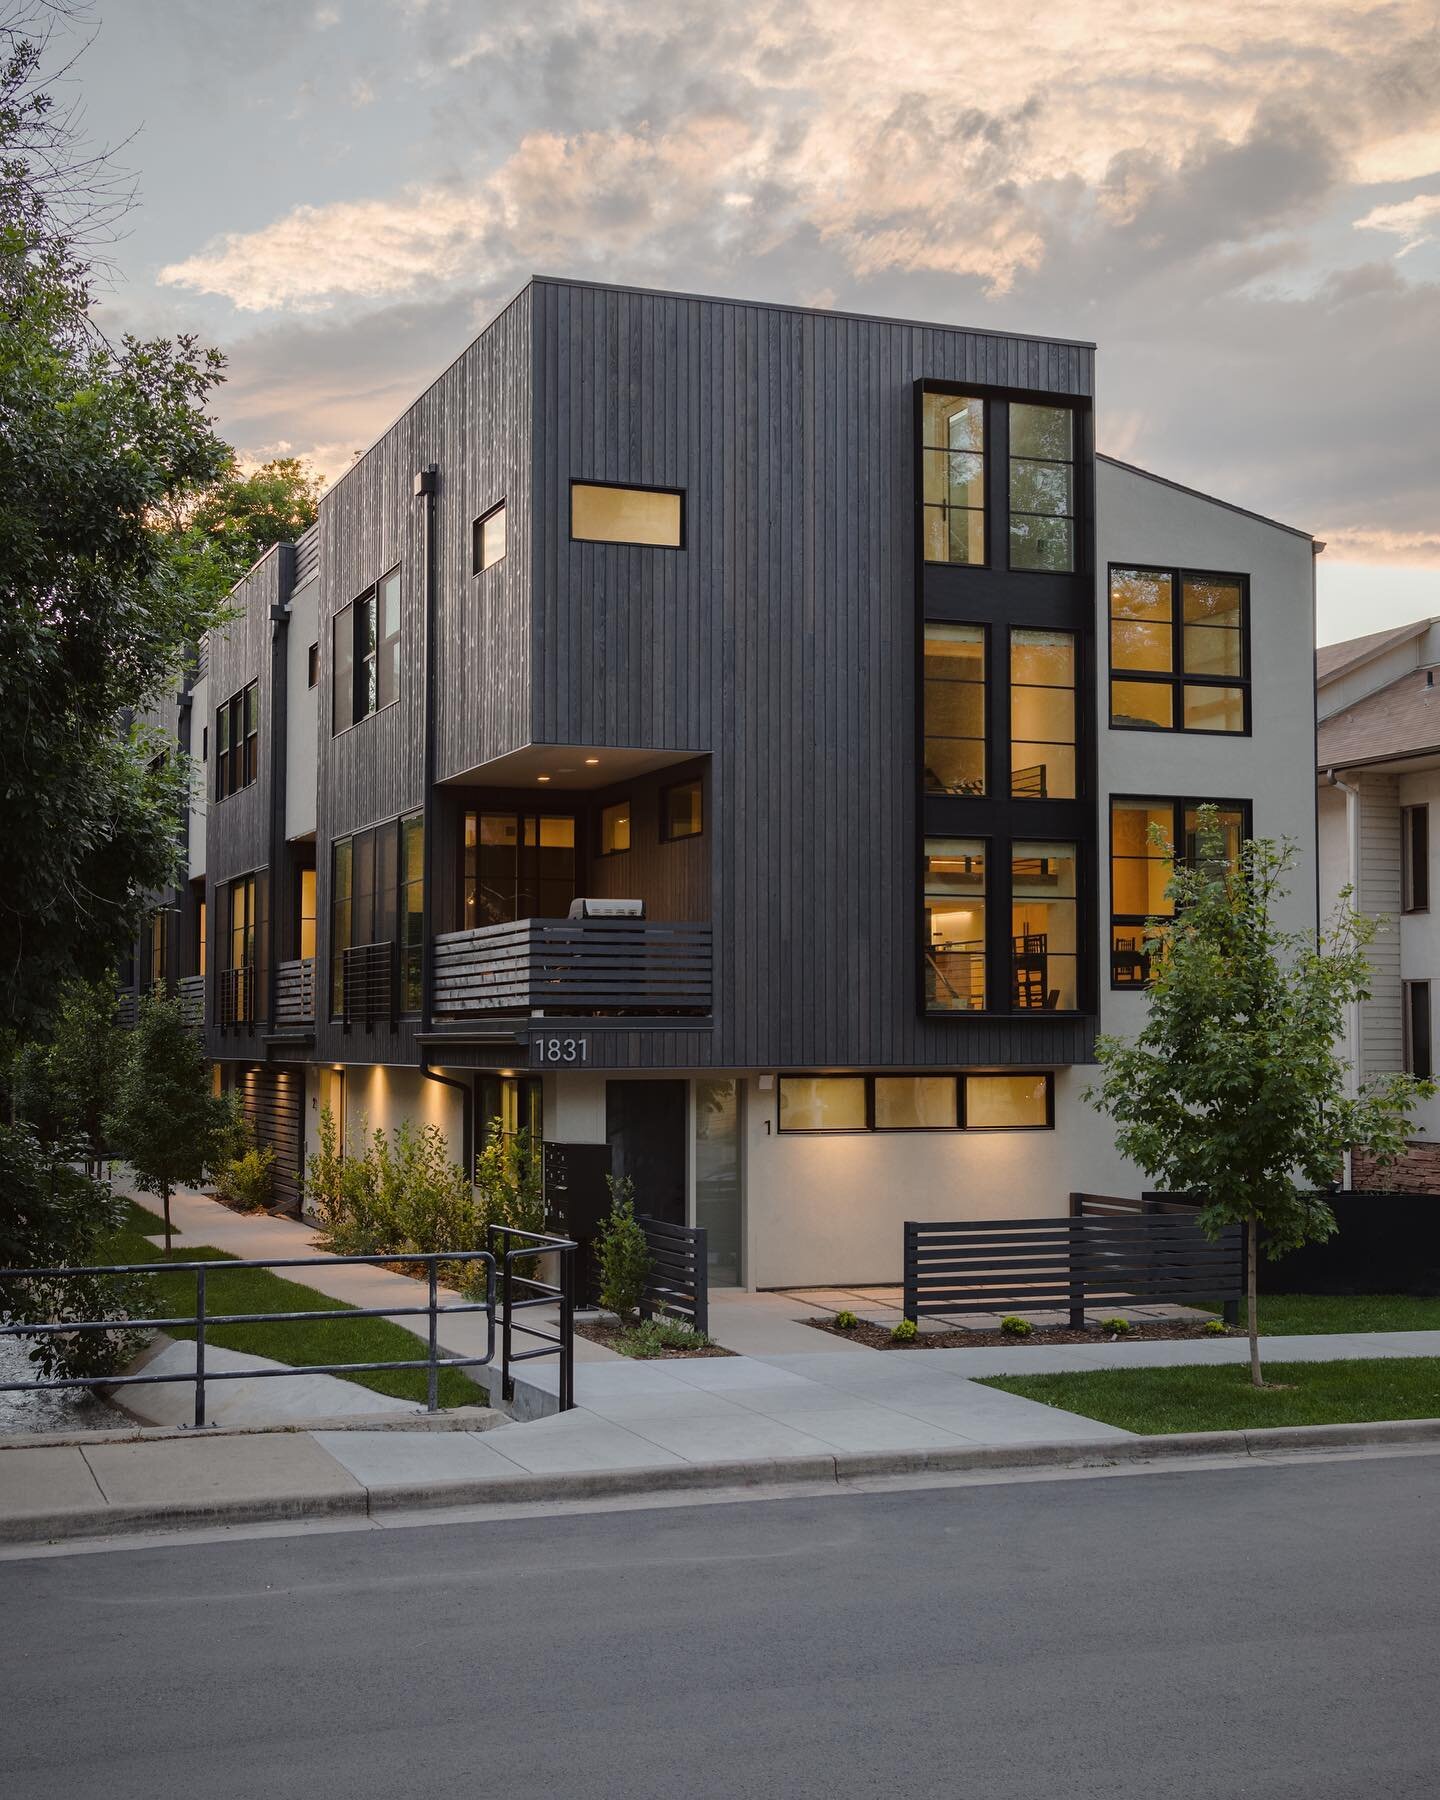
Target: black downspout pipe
<point>427,485</point>
<point>466,1091</point>
<point>277,747</point>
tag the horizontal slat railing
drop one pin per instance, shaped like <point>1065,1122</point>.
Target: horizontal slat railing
<point>1018,1265</point>
<point>190,992</point>
<point>295,992</point>
<point>575,965</point>
<point>679,1279</point>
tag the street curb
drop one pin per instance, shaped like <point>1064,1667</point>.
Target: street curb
<point>459,1418</point>
<point>671,1478</point>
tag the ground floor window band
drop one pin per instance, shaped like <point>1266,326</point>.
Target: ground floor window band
<point>1001,1100</point>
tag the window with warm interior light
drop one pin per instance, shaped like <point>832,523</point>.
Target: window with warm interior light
<point>1042,715</point>
<point>1178,651</point>
<point>1044,959</point>
<point>823,1103</point>
<point>981,1102</point>
<point>953,945</point>
<point>954,709</point>
<point>489,539</point>
<point>626,515</point>
<point>305,919</point>
<point>1042,488</point>
<point>1140,868</point>
<point>1009,1102</point>
<point>516,866</point>
<point>615,828</point>
<point>376,892</point>
<point>365,639</point>
<point>680,812</point>
<point>915,1102</point>
<point>952,478</point>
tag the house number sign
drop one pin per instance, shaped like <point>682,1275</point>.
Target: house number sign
<point>560,1050</point>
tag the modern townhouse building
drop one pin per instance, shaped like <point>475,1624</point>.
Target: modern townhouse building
<point>1378,751</point>
<point>723,737</point>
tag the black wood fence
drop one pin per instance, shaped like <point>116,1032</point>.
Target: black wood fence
<point>1068,1264</point>
<point>679,1279</point>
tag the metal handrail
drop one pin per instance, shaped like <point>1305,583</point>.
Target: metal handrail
<point>538,1293</point>
<point>203,1320</point>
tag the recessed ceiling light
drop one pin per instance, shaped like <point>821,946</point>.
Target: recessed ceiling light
<point>591,761</point>
<point>542,777</point>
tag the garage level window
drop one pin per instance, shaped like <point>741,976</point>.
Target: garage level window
<point>366,646</point>
<point>1042,488</point>
<point>1418,1060</point>
<point>1179,653</point>
<point>952,478</point>
<point>488,544</point>
<point>1415,859</point>
<point>1143,836</point>
<point>237,741</point>
<point>981,1102</point>
<point>602,514</point>
<point>680,813</point>
<point>955,709</point>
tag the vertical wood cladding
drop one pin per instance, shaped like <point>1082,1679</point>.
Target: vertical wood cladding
<point>671,877</point>
<point>780,640</point>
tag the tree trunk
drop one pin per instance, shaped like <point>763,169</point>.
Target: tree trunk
<point>165,1201</point>
<point>1251,1259</point>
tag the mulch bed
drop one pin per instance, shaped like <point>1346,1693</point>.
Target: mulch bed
<point>877,1337</point>
<point>612,1335</point>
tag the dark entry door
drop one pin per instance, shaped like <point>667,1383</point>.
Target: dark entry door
<point>645,1124</point>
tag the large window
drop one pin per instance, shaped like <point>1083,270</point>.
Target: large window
<point>954,941</point>
<point>981,1102</point>
<point>1415,859</point>
<point>1140,868</point>
<point>376,895</point>
<point>237,741</point>
<point>366,642</point>
<point>955,709</point>
<point>240,947</point>
<point>1418,1059</point>
<point>1043,941</point>
<point>1042,715</point>
<point>1178,657</point>
<point>626,515</point>
<point>1042,488</point>
<point>952,455</point>
<point>516,866</point>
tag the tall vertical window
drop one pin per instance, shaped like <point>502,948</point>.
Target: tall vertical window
<point>305,921</point>
<point>1140,868</point>
<point>1415,859</point>
<point>1177,651</point>
<point>342,882</point>
<point>955,709</point>
<point>517,866</point>
<point>1044,942</point>
<point>156,935</point>
<point>237,741</point>
<point>365,639</point>
<point>954,929</point>
<point>1042,488</point>
<point>1042,715</point>
<point>240,947</point>
<point>952,455</point>
<point>200,939</point>
<point>376,899</point>
<point>412,903</point>
<point>1418,1060</point>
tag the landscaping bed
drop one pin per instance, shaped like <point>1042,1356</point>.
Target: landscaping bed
<point>656,1341</point>
<point>878,1337</point>
<point>1221,1398</point>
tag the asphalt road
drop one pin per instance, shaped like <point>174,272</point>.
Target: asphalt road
<point>1267,1631</point>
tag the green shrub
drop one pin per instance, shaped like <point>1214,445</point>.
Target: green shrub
<point>248,1181</point>
<point>623,1254</point>
<point>1014,1326</point>
<point>1216,1328</point>
<point>845,1320</point>
<point>653,1336</point>
<point>905,1331</point>
<point>1120,1327</point>
<point>402,1197</point>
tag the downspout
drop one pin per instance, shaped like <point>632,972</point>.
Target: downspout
<point>466,1091</point>
<point>427,483</point>
<point>278,746</point>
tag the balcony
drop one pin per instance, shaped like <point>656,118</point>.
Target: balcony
<point>190,992</point>
<point>235,995</point>
<point>295,992</point>
<point>369,987</point>
<point>570,966</point>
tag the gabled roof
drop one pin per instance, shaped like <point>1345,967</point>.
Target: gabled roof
<point>1402,719</point>
<point>1334,660</point>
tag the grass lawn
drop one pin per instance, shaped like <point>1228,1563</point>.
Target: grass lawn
<point>1220,1398</point>
<point>257,1290</point>
<point>1298,1315</point>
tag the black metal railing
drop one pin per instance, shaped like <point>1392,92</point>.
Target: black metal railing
<point>521,1293</point>
<point>679,1279</point>
<point>566,966</point>
<point>202,1321</point>
<point>1020,1265</point>
<point>235,995</point>
<point>368,974</point>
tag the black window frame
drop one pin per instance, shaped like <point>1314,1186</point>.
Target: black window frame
<point>988,634</point>
<point>241,744</point>
<point>1176,677</point>
<point>312,665</point>
<point>1076,515</point>
<point>987,402</point>
<point>477,538</point>
<point>407,966</point>
<point>1417,1052</point>
<point>1415,858</point>
<point>1179,805</point>
<point>367,605</point>
<point>667,836</point>
<point>528,878</point>
<point>628,487</point>
<point>601,853</point>
<point>961,1078</point>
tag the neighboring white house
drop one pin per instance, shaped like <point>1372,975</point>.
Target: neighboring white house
<point>1378,747</point>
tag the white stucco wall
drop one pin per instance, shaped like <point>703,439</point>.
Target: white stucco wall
<point>377,1098</point>
<point>302,742</point>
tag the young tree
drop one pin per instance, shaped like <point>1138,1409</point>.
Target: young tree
<point>165,1122</point>
<point>85,1053</point>
<point>1234,1090</point>
<point>623,1254</point>
<point>216,537</point>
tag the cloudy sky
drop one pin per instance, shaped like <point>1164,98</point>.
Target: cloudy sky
<point>1239,200</point>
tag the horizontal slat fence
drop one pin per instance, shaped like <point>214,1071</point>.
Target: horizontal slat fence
<point>574,965</point>
<point>1068,1264</point>
<point>679,1278</point>
<point>190,992</point>
<point>295,992</point>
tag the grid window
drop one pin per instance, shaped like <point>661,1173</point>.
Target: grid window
<point>1042,715</point>
<point>952,456</point>
<point>1044,957</point>
<point>954,925</point>
<point>955,709</point>
<point>1042,488</point>
<point>1178,654</point>
<point>517,866</point>
<point>237,741</point>
<point>366,640</point>
<point>1143,838</point>
<point>1415,859</point>
<point>376,898</point>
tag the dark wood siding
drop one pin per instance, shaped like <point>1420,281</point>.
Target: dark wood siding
<point>673,879</point>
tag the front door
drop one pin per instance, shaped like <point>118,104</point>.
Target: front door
<point>645,1126</point>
